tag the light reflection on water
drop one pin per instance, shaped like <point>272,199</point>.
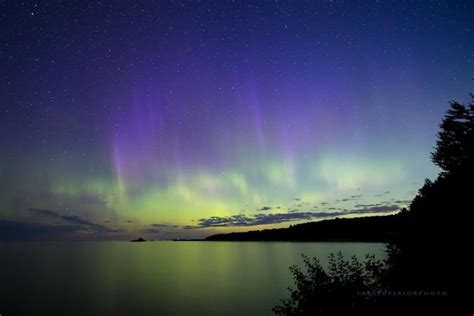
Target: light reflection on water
<point>154,278</point>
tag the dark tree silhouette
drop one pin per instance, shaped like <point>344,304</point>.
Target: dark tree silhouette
<point>339,290</point>
<point>454,147</point>
<point>430,252</point>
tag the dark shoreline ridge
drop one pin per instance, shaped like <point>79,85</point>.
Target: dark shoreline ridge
<point>373,228</point>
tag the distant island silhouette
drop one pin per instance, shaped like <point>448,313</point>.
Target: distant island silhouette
<point>138,240</point>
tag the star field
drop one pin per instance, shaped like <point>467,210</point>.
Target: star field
<point>186,118</point>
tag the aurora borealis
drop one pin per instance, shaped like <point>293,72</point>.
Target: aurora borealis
<point>185,118</point>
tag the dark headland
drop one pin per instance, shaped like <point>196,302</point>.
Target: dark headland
<point>374,229</point>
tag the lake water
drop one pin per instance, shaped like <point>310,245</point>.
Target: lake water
<point>153,278</point>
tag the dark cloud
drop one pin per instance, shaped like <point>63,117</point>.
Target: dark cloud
<point>403,201</point>
<point>129,221</point>
<point>365,205</point>
<point>265,208</point>
<point>375,209</point>
<point>152,231</point>
<point>75,220</point>
<point>266,219</point>
<point>244,220</point>
<point>352,197</point>
<point>13,230</point>
<point>385,203</point>
<point>164,225</point>
<point>160,228</point>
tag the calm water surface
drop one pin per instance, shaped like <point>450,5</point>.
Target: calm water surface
<point>153,278</point>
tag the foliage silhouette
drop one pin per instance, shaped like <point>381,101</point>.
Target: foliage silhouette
<point>429,254</point>
<point>336,291</point>
<point>454,146</point>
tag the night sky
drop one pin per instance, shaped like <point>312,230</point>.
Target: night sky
<point>182,119</point>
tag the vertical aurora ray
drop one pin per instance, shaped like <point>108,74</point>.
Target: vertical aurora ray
<point>214,110</point>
